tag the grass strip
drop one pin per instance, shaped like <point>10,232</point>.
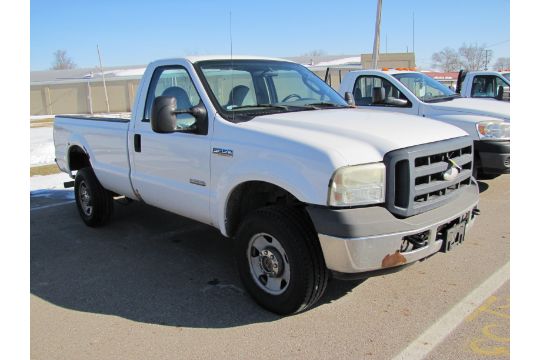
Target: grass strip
<point>44,170</point>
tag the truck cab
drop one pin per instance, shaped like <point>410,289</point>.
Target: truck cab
<point>483,85</point>
<point>411,92</point>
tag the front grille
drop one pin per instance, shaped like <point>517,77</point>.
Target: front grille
<point>416,175</point>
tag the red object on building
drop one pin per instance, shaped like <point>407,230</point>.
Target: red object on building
<point>453,75</point>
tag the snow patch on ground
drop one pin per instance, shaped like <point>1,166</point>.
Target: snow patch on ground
<point>41,146</point>
<point>49,182</point>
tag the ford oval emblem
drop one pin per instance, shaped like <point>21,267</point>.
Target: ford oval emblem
<point>451,173</point>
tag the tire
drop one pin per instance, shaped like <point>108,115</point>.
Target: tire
<point>476,167</point>
<point>279,245</point>
<point>95,203</point>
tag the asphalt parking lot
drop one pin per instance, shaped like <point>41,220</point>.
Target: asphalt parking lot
<point>156,285</point>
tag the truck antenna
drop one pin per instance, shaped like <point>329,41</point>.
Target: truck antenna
<point>103,78</point>
<point>230,41</point>
<point>230,31</point>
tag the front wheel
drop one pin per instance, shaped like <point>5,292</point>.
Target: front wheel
<point>95,203</point>
<point>280,260</point>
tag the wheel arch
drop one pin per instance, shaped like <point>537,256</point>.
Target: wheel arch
<point>77,158</point>
<point>251,195</point>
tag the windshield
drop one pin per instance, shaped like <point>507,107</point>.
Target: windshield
<point>425,88</point>
<point>243,89</point>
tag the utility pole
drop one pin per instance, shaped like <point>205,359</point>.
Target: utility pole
<point>375,55</point>
<point>413,32</point>
<point>487,61</point>
<point>103,78</point>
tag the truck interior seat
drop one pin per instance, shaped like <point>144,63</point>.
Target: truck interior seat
<point>237,95</point>
<point>182,98</point>
<point>361,100</point>
<point>475,89</point>
<point>489,89</point>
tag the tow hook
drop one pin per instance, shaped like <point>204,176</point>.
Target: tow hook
<point>416,241</point>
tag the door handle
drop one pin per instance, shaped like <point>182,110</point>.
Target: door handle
<point>137,142</point>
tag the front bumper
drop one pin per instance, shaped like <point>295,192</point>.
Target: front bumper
<point>494,156</point>
<point>370,239</point>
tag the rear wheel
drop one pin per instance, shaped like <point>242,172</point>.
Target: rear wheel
<point>95,203</point>
<point>280,260</point>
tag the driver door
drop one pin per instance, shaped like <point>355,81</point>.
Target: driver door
<point>172,171</point>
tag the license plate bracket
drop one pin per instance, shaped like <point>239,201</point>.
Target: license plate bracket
<point>454,236</point>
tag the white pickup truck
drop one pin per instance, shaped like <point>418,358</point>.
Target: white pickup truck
<point>483,85</point>
<point>411,92</point>
<point>262,149</point>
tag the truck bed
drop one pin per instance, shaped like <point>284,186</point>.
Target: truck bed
<point>103,139</point>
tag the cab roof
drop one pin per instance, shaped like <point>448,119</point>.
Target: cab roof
<point>198,58</point>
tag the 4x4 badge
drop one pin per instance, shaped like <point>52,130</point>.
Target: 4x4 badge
<point>222,152</point>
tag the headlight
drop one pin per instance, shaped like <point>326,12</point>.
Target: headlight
<point>493,130</point>
<point>358,185</point>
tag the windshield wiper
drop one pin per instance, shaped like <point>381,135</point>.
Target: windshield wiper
<point>319,105</point>
<point>266,106</point>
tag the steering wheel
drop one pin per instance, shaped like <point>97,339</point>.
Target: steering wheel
<point>288,97</point>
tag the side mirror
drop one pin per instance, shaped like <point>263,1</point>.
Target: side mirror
<point>163,118</point>
<point>503,93</point>
<point>350,99</point>
<point>377,95</point>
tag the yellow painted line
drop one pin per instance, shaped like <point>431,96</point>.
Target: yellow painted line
<point>437,332</point>
<point>484,346</point>
<point>485,308</point>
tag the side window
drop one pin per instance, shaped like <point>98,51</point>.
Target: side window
<point>376,91</point>
<point>232,88</point>
<point>486,86</point>
<point>174,82</point>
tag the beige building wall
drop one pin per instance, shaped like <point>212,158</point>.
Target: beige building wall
<point>390,60</point>
<point>82,97</point>
<point>86,97</point>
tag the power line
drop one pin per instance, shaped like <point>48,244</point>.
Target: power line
<point>499,43</point>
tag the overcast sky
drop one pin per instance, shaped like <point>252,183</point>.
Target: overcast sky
<point>136,32</point>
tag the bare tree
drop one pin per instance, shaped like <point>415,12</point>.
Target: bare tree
<point>475,57</point>
<point>502,63</point>
<point>446,60</point>
<point>315,53</point>
<point>62,61</point>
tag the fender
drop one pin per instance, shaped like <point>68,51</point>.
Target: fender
<point>464,121</point>
<point>288,177</point>
<point>112,177</point>
<point>78,141</point>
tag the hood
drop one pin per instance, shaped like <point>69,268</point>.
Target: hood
<point>485,107</point>
<point>358,135</point>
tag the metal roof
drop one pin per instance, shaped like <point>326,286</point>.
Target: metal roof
<point>70,75</point>
<point>136,71</point>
